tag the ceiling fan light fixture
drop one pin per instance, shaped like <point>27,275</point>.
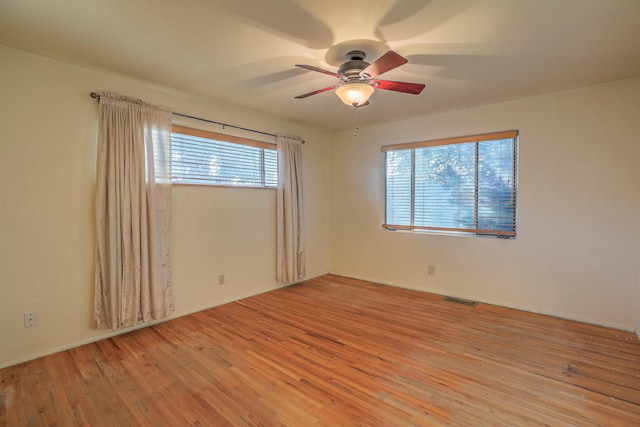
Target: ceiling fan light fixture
<point>355,94</point>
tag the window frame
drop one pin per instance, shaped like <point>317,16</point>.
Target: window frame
<point>221,137</point>
<point>476,139</point>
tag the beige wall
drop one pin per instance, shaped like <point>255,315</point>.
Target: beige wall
<point>576,255</point>
<point>578,246</point>
<point>47,167</point>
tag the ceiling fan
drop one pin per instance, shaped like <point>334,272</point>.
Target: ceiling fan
<point>357,78</point>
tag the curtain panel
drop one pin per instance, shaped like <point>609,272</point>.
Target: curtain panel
<point>290,266</point>
<point>133,277</point>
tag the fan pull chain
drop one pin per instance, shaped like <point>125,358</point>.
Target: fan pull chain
<point>355,120</point>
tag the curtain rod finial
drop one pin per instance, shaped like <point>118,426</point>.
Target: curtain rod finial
<point>95,95</point>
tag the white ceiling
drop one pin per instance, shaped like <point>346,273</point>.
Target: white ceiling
<point>243,52</point>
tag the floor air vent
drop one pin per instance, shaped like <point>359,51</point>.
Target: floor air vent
<point>461,301</point>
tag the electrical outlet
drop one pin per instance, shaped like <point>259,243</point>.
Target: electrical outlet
<point>221,279</point>
<point>30,319</point>
<point>431,270</point>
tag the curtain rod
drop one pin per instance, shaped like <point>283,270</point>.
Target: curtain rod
<point>97,96</point>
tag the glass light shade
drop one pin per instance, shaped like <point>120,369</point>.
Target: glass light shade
<point>354,94</point>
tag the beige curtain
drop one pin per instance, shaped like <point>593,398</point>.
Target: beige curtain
<point>290,265</point>
<point>133,213</point>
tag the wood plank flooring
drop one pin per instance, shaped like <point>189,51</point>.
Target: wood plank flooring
<point>337,352</point>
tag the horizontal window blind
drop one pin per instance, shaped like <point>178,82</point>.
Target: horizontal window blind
<point>465,184</point>
<point>208,158</point>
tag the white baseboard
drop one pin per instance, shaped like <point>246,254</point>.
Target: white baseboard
<point>537,310</point>
<point>108,334</point>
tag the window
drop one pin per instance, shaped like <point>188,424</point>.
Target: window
<point>464,185</point>
<point>208,158</point>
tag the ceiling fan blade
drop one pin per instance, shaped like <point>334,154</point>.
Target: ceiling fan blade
<point>315,92</point>
<point>412,88</point>
<point>320,70</point>
<point>386,62</point>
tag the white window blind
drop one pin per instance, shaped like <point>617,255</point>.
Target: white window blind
<point>208,158</point>
<point>466,184</point>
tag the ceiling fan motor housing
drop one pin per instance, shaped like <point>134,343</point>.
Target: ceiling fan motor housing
<point>354,65</point>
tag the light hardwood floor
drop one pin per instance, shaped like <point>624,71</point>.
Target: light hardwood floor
<point>338,352</point>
